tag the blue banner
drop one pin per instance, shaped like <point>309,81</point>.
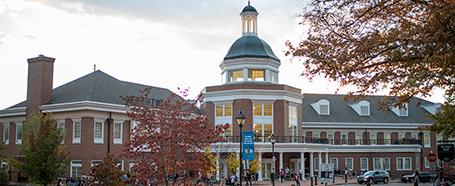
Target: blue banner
<point>247,145</point>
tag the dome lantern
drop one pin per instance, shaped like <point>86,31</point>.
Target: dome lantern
<point>249,20</point>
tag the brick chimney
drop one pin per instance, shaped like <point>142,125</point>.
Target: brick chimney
<point>39,84</point>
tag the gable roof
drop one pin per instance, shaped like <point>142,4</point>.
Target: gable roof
<point>341,112</point>
<point>100,87</point>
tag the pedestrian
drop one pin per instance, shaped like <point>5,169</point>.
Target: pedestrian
<point>248,178</point>
<point>272,176</point>
<point>346,172</point>
<point>233,179</point>
<point>300,174</point>
<point>416,178</point>
<point>282,175</point>
<point>297,180</point>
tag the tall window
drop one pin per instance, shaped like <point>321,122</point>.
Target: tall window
<point>363,163</point>
<point>18,133</point>
<point>373,138</point>
<point>387,138</point>
<point>334,162</point>
<point>6,133</point>
<point>262,109</point>
<point>427,139</point>
<point>364,110</point>
<point>293,122</point>
<point>344,138</point>
<point>324,109</point>
<point>262,132</point>
<point>358,138</point>
<point>256,75</point>
<point>404,163</point>
<point>76,168</point>
<point>330,138</point>
<point>236,75</point>
<point>77,131</point>
<point>98,132</point>
<point>381,163</point>
<point>349,163</point>
<point>274,77</point>
<point>316,164</point>
<point>118,129</point>
<point>222,110</point>
<point>61,127</point>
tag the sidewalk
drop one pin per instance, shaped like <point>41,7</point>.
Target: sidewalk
<point>338,181</point>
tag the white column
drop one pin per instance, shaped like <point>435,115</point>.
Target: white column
<point>225,169</point>
<point>327,157</point>
<point>260,166</point>
<point>281,160</point>
<point>319,164</point>
<point>245,74</point>
<point>302,164</point>
<point>311,165</point>
<point>238,168</point>
<point>218,166</point>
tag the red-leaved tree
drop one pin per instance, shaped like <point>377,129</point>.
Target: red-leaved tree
<point>169,140</point>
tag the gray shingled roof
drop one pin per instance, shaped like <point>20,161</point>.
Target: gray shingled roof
<point>250,46</point>
<point>340,111</point>
<point>100,87</point>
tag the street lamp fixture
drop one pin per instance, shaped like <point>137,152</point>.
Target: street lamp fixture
<point>240,121</point>
<point>272,175</point>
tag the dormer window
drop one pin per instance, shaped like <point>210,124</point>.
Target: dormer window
<point>256,75</point>
<point>362,108</point>
<point>322,107</point>
<point>403,111</point>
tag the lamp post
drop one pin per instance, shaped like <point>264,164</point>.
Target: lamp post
<point>240,120</point>
<point>421,149</point>
<point>272,174</point>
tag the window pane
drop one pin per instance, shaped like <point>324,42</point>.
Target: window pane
<point>349,163</point>
<point>236,75</point>
<point>98,129</point>
<point>377,163</point>
<point>267,109</point>
<point>77,129</point>
<point>267,131</point>
<point>373,138</point>
<point>407,163</point>
<point>364,110</point>
<point>256,75</point>
<point>6,133</point>
<point>364,164</point>
<point>19,131</point>
<point>324,109</point>
<point>228,131</point>
<point>400,163</point>
<point>227,110</point>
<point>117,130</point>
<point>258,132</point>
<point>219,110</point>
<point>426,139</point>
<point>257,109</point>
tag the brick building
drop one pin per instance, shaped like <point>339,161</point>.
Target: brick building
<point>310,128</point>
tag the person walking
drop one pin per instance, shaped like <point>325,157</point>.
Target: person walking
<point>248,178</point>
<point>282,175</point>
<point>297,179</point>
<point>416,178</point>
<point>272,176</point>
<point>300,174</point>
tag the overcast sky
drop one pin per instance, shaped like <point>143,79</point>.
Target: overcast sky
<point>164,43</point>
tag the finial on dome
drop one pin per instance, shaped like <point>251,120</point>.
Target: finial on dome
<point>248,2</point>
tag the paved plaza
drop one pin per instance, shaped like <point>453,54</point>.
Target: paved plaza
<point>339,181</point>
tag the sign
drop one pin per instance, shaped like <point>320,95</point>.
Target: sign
<point>247,145</point>
<point>446,152</point>
<point>326,173</point>
<point>431,157</point>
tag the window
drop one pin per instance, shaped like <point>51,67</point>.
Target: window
<point>61,127</point>
<point>403,111</point>
<point>262,109</point>
<point>427,163</point>
<point>118,129</point>
<point>330,138</point>
<point>386,164</point>
<point>228,131</point>
<point>404,163</point>
<point>363,163</point>
<point>293,113</point>
<point>358,138</point>
<point>293,132</point>
<point>18,133</point>
<point>120,164</point>
<point>273,77</point>
<point>316,164</point>
<point>316,134</point>
<point>334,162</point>
<point>223,110</point>
<point>349,163</point>
<point>387,138</point>
<point>76,168</point>
<point>77,131</point>
<point>6,133</point>
<point>427,139</point>
<point>262,132</point>
<point>256,75</point>
<point>131,164</point>
<point>96,162</point>
<point>98,132</point>
<point>364,110</point>
<point>324,109</point>
<point>372,138</point>
<point>236,75</point>
<point>344,138</point>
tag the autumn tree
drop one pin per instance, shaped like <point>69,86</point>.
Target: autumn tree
<point>169,140</point>
<point>108,172</point>
<point>233,162</point>
<point>44,159</point>
<point>405,47</point>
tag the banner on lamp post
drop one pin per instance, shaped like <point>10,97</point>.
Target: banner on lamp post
<point>247,145</point>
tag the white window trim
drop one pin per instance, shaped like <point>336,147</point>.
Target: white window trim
<point>427,145</point>
<point>77,140</point>
<point>317,106</point>
<point>262,103</point>
<point>122,165</point>
<point>73,164</point>
<point>383,163</point>
<point>336,165</point>
<point>332,138</point>
<point>118,140</point>
<point>92,164</point>
<point>131,164</point>
<point>403,164</point>
<point>396,110</point>
<point>346,162</point>
<point>357,107</point>
<point>19,141</point>
<point>95,139</point>
<point>7,127</point>
<point>341,138</point>
<point>366,164</point>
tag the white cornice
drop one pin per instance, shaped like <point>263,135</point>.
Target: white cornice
<point>253,94</point>
<point>245,62</point>
<point>83,105</point>
<point>338,125</point>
